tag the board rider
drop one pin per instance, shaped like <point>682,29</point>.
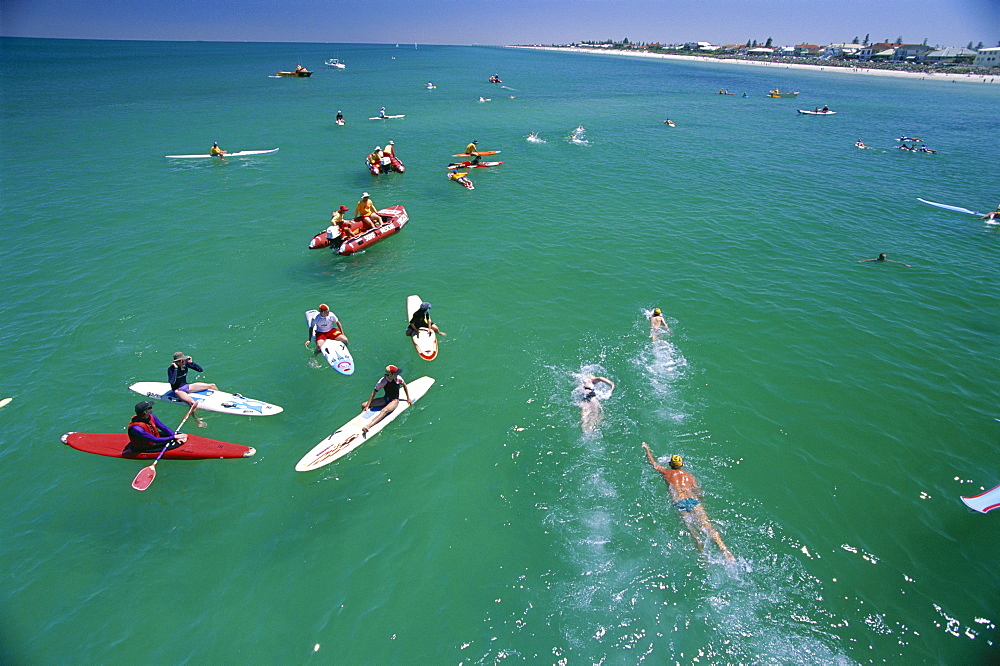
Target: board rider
<point>657,324</point>
<point>177,376</point>
<point>216,151</point>
<point>366,213</point>
<point>992,216</point>
<point>422,319</point>
<point>325,326</point>
<point>146,433</point>
<point>473,151</point>
<point>390,383</point>
<point>590,403</point>
<point>687,499</point>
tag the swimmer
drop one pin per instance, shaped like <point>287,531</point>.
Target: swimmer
<point>881,257</point>
<point>590,404</point>
<point>657,324</point>
<point>687,495</point>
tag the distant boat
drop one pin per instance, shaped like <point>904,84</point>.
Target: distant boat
<point>778,93</point>
<point>333,62</point>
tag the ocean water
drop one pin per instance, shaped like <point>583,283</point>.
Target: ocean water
<point>833,411</point>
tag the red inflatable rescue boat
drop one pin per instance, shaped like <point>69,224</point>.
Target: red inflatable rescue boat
<point>393,219</point>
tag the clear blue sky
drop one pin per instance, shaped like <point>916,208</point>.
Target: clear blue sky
<point>942,22</point>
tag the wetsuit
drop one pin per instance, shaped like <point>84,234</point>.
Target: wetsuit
<point>178,376</point>
<point>391,387</point>
<point>152,436</point>
<point>418,321</point>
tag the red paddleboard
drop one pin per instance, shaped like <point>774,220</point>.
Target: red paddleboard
<point>115,445</point>
<point>470,165</point>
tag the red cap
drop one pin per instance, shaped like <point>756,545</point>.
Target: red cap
<point>391,368</point>
<point>323,306</point>
<point>342,209</point>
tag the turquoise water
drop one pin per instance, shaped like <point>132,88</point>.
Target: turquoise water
<point>833,411</point>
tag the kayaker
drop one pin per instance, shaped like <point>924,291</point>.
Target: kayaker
<point>882,257</point>
<point>147,433</point>
<point>687,495</point>
<point>657,324</point>
<point>325,326</point>
<point>366,213</point>
<point>216,151</point>
<point>177,376</point>
<point>825,109</point>
<point>472,150</point>
<point>390,383</point>
<point>590,404</point>
<point>422,319</point>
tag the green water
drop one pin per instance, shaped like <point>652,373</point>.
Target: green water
<point>833,411</point>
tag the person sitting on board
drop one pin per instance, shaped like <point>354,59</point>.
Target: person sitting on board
<point>340,116</point>
<point>422,319</point>
<point>325,326</point>
<point>216,151</point>
<point>390,383</point>
<point>590,402</point>
<point>338,226</point>
<point>366,213</point>
<point>472,151</point>
<point>177,376</point>
<point>461,178</point>
<point>825,109</point>
<point>657,324</point>
<point>147,433</point>
<point>686,495</point>
<point>881,257</point>
<point>381,113</point>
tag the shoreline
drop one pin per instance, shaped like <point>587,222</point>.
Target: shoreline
<point>928,76</point>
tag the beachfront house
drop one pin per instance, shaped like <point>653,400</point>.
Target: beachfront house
<point>807,50</point>
<point>760,51</point>
<point>987,57</point>
<point>911,52</point>
<point>785,51</point>
<point>841,51</point>
<point>700,46</point>
<point>880,51</point>
<point>950,55</point>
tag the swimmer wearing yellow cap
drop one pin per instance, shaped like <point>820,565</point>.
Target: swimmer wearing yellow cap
<point>657,325</point>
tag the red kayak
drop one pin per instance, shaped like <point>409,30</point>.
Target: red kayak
<point>116,445</point>
<point>470,165</point>
<point>393,219</point>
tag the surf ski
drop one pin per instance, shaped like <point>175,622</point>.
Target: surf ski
<point>984,502</point>
<point>954,209</point>
<point>209,400</point>
<point>242,153</point>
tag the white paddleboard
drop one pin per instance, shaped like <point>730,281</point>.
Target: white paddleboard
<point>424,340</point>
<point>955,209</point>
<point>335,352</point>
<point>349,436</point>
<point>984,502</point>
<point>387,117</point>
<point>816,113</point>
<point>5,402</point>
<point>213,401</point>
<point>242,153</point>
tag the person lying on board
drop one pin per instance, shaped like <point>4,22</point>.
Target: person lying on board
<point>216,151</point>
<point>325,326</point>
<point>389,383</point>
<point>146,432</point>
<point>686,493</point>
<point>366,213</point>
<point>177,376</point>
<point>422,319</point>
<point>881,257</point>
<point>995,215</point>
<point>460,178</point>
<point>657,324</point>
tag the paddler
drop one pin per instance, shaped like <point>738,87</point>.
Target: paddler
<point>422,319</point>
<point>340,117</point>
<point>146,432</point>
<point>687,499</point>
<point>366,213</point>
<point>325,326</point>
<point>657,324</point>
<point>472,151</point>
<point>177,376</point>
<point>995,215</point>
<point>390,383</point>
<point>381,113</point>
<point>216,151</point>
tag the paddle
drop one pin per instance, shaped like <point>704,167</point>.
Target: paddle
<point>146,475</point>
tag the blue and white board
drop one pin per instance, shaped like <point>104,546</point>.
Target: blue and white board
<point>954,209</point>
<point>984,502</point>
<point>335,352</point>
<point>213,401</point>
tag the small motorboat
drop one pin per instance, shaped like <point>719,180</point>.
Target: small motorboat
<point>386,164</point>
<point>336,64</point>
<point>300,71</point>
<point>778,93</point>
<point>393,219</point>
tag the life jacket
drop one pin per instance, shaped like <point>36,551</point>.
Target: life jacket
<point>150,428</point>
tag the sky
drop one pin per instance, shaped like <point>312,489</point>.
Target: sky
<point>787,22</point>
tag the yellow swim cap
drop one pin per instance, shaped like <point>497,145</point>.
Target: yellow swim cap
<point>676,461</point>
<point>656,311</point>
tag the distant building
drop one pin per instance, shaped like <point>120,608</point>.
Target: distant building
<point>807,50</point>
<point>760,51</point>
<point>987,57</point>
<point>841,51</point>
<point>785,51</point>
<point>700,46</point>
<point>730,48</point>
<point>877,51</point>
<point>950,54</point>
<point>911,52</point>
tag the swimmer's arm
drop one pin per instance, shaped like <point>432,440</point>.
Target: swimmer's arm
<point>652,461</point>
<point>606,381</point>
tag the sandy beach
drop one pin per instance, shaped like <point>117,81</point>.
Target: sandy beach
<point>928,76</point>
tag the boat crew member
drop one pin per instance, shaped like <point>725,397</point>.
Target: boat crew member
<point>422,319</point>
<point>299,68</point>
<point>366,213</point>
<point>687,499</point>
<point>177,376</point>
<point>390,149</point>
<point>590,403</point>
<point>389,383</point>
<point>375,160</point>
<point>881,257</point>
<point>216,151</point>
<point>657,324</point>
<point>146,432</point>
<point>338,226</point>
<point>472,150</point>
<point>325,326</point>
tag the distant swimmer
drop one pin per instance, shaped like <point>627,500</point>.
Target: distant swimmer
<point>668,122</point>
<point>216,151</point>
<point>881,257</point>
<point>861,144</point>
<point>534,138</point>
<point>657,324</point>
<point>579,131</point>
<point>687,499</point>
<point>590,403</point>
